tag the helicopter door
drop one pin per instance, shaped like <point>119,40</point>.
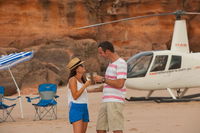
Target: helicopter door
<point>159,63</point>
<point>175,75</point>
<point>157,76</point>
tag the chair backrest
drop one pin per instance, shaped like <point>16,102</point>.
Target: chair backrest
<point>47,91</point>
<point>1,94</point>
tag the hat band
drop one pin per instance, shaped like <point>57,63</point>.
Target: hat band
<point>76,64</point>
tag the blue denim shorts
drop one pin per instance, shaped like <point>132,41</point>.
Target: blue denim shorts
<point>78,112</point>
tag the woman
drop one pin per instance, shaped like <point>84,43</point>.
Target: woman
<point>77,96</point>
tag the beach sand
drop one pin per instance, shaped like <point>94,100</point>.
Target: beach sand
<point>140,117</point>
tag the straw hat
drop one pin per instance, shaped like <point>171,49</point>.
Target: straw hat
<point>74,63</point>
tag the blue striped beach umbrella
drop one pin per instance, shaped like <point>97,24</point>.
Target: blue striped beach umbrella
<point>8,61</point>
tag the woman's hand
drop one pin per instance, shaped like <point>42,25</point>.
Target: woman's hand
<point>87,83</point>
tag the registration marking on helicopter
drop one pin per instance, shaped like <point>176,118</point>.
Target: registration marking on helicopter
<point>181,45</point>
<point>197,67</point>
<point>170,71</point>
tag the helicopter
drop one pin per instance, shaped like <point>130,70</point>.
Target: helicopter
<point>165,69</point>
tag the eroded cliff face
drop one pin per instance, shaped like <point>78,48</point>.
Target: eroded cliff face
<point>49,28</point>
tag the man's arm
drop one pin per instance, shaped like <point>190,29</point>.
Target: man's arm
<point>117,83</point>
<point>99,89</point>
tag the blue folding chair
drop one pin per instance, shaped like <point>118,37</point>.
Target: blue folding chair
<point>47,105</point>
<point>6,109</point>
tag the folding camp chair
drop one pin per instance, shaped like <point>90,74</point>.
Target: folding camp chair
<point>47,105</point>
<point>6,109</point>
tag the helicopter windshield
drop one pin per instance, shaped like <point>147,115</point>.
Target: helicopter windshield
<point>139,64</point>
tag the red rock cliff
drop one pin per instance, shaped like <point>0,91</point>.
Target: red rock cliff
<point>48,28</point>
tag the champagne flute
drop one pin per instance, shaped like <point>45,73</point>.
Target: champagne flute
<point>93,75</point>
<point>88,76</point>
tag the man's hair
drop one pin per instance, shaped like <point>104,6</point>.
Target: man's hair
<point>106,46</point>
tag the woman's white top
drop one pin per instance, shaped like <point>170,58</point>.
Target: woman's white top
<point>83,98</point>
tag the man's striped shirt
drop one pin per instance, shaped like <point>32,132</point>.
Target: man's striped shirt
<point>115,70</point>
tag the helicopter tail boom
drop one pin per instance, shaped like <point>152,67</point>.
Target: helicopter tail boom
<point>180,37</point>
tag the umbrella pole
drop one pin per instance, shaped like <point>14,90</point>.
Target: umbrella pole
<point>20,100</point>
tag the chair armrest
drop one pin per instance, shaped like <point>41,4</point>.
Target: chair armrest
<point>11,99</point>
<point>29,99</point>
<point>56,96</point>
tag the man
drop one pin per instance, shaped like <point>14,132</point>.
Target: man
<point>110,116</point>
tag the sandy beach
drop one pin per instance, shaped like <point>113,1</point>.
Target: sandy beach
<point>140,117</point>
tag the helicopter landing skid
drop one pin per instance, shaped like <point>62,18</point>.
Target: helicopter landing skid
<point>187,98</point>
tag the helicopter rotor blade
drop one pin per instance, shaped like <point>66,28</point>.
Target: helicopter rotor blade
<point>178,13</point>
<point>126,19</point>
<point>192,13</point>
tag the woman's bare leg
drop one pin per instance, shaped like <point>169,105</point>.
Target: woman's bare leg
<point>78,126</point>
<point>85,124</point>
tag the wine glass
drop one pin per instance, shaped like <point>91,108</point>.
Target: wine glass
<point>94,74</point>
<point>88,76</point>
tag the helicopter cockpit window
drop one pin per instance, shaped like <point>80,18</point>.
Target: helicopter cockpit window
<point>159,63</point>
<point>139,64</point>
<point>175,62</point>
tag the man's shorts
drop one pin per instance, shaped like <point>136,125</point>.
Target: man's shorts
<point>110,116</point>
<point>78,112</point>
